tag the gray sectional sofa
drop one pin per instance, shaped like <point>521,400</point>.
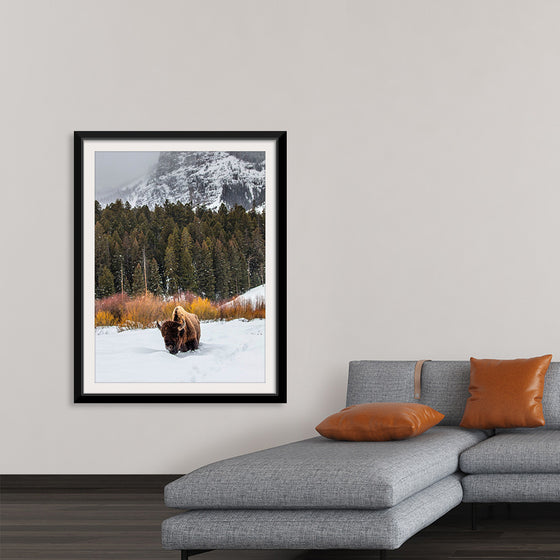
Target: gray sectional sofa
<point>325,494</point>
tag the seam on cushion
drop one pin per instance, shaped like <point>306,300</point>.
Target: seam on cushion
<point>412,511</point>
<point>424,470</point>
<point>435,463</point>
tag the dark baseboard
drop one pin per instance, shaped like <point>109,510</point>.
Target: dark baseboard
<point>81,482</point>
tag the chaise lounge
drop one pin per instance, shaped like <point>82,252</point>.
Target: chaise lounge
<point>325,494</point>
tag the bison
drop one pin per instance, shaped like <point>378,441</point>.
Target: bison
<point>182,333</point>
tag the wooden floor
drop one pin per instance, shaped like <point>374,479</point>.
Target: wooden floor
<point>93,524</point>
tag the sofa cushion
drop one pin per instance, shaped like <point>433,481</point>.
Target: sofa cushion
<point>379,422</point>
<point>322,473</point>
<point>445,387</point>
<point>506,393</point>
<point>312,529</point>
<point>526,451</point>
<point>491,488</point>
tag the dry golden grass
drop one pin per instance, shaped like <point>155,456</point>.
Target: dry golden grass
<point>167,308</point>
<point>235,310</point>
<point>105,319</point>
<point>142,312</point>
<point>115,305</point>
<point>204,308</point>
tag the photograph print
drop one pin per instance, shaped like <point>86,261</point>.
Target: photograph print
<point>180,267</point>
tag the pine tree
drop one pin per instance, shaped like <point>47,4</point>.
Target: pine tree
<point>187,280</point>
<point>126,285</point>
<point>98,211</point>
<point>167,228</point>
<point>135,254</point>
<point>233,258</point>
<point>154,278</point>
<point>117,259</point>
<point>258,261</point>
<point>174,240</point>
<point>102,252</point>
<point>222,271</point>
<point>171,271</point>
<point>128,265</point>
<point>238,269</point>
<point>205,273</point>
<point>138,281</point>
<point>106,283</point>
<point>186,268</point>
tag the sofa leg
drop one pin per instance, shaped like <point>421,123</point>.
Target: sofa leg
<point>382,555</point>
<point>186,554</point>
<point>473,517</point>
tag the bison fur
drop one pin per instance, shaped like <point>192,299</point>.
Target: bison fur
<point>182,333</point>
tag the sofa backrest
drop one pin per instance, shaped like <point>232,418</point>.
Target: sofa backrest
<point>445,387</point>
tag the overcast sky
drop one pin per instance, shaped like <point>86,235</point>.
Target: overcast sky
<point>115,168</point>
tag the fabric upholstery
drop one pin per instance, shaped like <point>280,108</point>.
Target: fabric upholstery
<point>551,396</point>
<point>531,451</point>
<point>506,393</point>
<point>511,488</point>
<point>445,387</point>
<point>312,529</point>
<point>322,473</point>
<point>379,422</point>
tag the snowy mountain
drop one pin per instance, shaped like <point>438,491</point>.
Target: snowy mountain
<point>199,178</point>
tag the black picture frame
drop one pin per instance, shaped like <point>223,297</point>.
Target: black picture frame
<point>279,395</point>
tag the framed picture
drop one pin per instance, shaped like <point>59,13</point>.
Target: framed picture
<point>180,255</point>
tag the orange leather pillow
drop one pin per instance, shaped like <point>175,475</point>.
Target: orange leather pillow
<point>506,393</point>
<point>379,421</point>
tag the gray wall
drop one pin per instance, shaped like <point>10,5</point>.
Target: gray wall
<point>423,195</point>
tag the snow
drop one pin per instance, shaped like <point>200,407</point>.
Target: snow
<point>254,296</point>
<point>229,352</point>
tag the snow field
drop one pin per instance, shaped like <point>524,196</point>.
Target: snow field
<point>229,352</point>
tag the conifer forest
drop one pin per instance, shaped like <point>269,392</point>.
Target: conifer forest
<point>175,249</point>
